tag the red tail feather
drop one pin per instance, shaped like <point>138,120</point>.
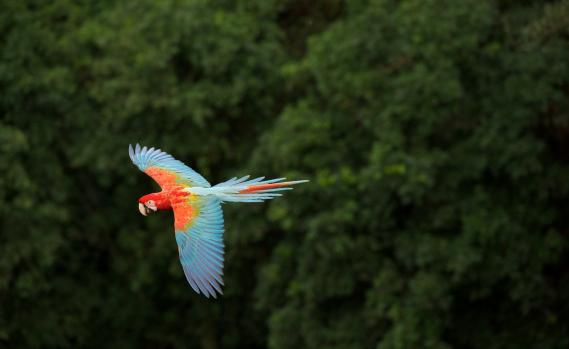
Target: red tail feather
<point>255,188</point>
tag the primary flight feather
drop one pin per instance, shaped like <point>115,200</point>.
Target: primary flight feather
<point>198,218</point>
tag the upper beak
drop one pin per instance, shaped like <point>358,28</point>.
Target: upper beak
<point>143,209</point>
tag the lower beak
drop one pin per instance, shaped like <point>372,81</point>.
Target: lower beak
<point>142,209</point>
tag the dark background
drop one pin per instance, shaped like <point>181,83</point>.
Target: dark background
<point>435,135</point>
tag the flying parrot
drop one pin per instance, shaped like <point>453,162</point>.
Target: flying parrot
<point>198,218</point>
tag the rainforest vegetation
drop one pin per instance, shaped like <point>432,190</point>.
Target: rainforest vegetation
<point>435,135</point>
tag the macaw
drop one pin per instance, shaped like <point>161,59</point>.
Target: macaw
<point>198,218</point>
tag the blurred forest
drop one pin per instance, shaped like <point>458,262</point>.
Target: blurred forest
<point>435,134</point>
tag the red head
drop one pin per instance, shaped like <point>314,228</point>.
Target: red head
<point>153,202</point>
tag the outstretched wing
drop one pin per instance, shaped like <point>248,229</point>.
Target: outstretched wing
<point>199,234</point>
<point>164,169</point>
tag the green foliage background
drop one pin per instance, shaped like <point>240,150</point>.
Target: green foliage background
<point>435,134</point>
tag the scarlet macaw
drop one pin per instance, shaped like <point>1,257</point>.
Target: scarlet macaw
<point>198,219</point>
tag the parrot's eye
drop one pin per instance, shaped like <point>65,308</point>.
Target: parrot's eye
<point>150,202</point>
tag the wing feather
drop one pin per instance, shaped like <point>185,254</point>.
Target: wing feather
<point>200,243</point>
<point>164,168</point>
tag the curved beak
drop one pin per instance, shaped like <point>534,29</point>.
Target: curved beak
<point>143,209</point>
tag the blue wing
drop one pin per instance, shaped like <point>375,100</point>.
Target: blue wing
<point>154,162</point>
<point>200,245</point>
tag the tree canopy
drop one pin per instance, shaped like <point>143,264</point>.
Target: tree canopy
<point>435,135</point>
